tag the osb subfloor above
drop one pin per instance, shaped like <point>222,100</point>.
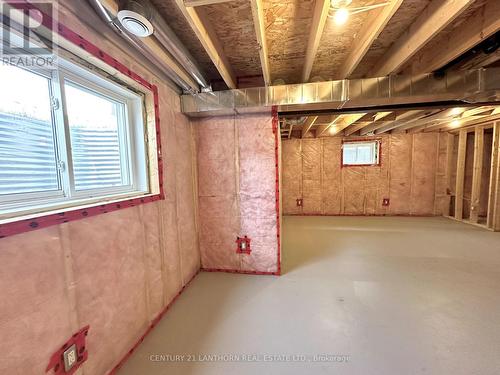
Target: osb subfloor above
<point>174,18</point>
<point>287,26</point>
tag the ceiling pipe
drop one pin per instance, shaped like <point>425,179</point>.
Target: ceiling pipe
<point>165,38</point>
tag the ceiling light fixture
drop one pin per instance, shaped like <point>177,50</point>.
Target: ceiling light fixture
<point>340,11</point>
<point>341,16</point>
<point>455,123</point>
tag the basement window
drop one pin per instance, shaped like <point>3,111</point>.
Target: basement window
<point>360,153</point>
<point>68,137</point>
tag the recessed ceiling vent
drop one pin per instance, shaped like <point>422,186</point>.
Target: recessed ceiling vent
<point>135,17</point>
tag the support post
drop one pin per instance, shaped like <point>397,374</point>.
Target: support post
<point>475,201</point>
<point>493,221</point>
<point>459,189</point>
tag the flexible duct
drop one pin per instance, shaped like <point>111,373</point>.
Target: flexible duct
<point>167,38</point>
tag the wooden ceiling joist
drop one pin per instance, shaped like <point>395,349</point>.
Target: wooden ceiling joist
<point>308,125</point>
<point>346,122</point>
<point>340,123</point>
<point>403,121</point>
<point>320,16</point>
<point>260,31</point>
<point>197,3</point>
<point>438,117</point>
<point>475,122</point>
<point>375,23</point>
<point>484,22</point>
<point>435,17</point>
<point>381,115</point>
<point>201,26</point>
<point>320,130</point>
<point>355,127</point>
<point>376,125</point>
<point>449,125</point>
<point>362,124</point>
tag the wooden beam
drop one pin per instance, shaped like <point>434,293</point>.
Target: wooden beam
<point>375,23</point>
<point>426,123</point>
<point>356,126</point>
<point>449,168</point>
<point>308,125</point>
<point>346,121</point>
<point>197,3</point>
<point>459,187</point>
<point>362,122</point>
<point>493,221</point>
<point>198,21</point>
<point>379,125</point>
<point>450,125</point>
<point>474,122</point>
<point>403,121</point>
<point>477,111</point>
<point>260,32</point>
<point>475,201</point>
<point>381,115</point>
<point>483,23</point>
<point>320,15</point>
<point>340,123</point>
<point>435,17</point>
<point>323,128</point>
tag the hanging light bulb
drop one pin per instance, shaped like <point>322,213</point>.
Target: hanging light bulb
<point>455,123</point>
<point>341,16</point>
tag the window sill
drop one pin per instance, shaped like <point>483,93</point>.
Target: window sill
<point>85,208</point>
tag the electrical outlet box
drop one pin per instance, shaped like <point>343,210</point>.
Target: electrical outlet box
<point>243,245</point>
<point>386,202</point>
<point>70,357</point>
<point>300,202</point>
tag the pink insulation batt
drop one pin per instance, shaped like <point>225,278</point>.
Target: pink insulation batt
<point>237,192</point>
<point>410,176</point>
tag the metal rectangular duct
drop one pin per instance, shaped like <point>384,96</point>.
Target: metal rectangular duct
<point>473,86</point>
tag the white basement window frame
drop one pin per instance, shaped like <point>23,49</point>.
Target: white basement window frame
<point>124,150</point>
<point>360,153</point>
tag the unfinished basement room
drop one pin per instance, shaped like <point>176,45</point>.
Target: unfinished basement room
<point>220,187</point>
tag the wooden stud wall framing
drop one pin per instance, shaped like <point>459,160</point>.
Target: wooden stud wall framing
<point>493,221</point>
<point>480,147</point>
<point>477,174</point>
<point>459,189</point>
<point>449,170</point>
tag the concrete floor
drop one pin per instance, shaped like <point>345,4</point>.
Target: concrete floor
<point>396,295</point>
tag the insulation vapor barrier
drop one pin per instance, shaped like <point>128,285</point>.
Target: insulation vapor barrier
<point>407,176</point>
<point>237,197</point>
<point>115,271</point>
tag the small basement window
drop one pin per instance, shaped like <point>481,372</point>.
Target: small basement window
<point>361,153</point>
<point>68,137</point>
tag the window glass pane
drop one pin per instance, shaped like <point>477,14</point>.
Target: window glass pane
<point>359,153</point>
<point>365,154</point>
<point>350,154</point>
<point>27,146</point>
<point>96,128</point>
